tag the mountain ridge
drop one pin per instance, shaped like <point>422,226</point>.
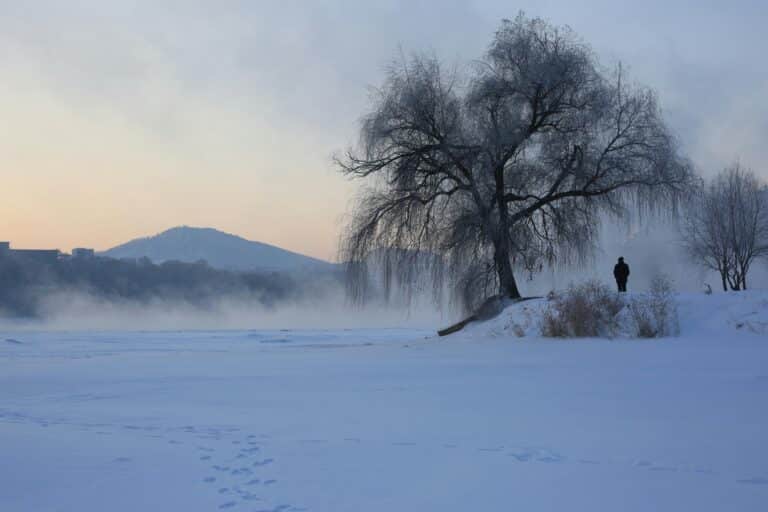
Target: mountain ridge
<point>218,248</point>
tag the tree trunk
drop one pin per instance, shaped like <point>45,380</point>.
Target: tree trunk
<point>725,283</point>
<point>507,283</point>
<point>734,280</point>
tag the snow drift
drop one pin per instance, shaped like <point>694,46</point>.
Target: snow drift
<point>700,316</point>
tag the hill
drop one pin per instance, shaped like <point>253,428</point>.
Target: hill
<point>219,249</point>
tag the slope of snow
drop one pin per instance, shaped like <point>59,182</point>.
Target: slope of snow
<point>388,420</point>
<point>219,249</point>
<point>701,316</point>
<point>721,315</point>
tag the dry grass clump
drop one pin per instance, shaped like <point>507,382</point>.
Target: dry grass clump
<point>585,310</point>
<point>592,310</point>
<point>655,314</point>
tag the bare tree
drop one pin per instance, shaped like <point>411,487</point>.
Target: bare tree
<point>749,213</point>
<point>725,226</point>
<point>705,233</point>
<point>508,166</point>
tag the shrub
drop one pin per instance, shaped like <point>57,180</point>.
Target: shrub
<point>593,310</point>
<point>586,310</point>
<point>655,314</point>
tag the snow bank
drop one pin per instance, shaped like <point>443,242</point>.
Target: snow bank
<point>724,314</point>
<point>700,315</point>
<point>520,319</point>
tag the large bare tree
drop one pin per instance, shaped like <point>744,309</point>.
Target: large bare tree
<point>725,226</point>
<point>473,176</point>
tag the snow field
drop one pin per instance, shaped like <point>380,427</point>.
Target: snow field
<point>383,420</point>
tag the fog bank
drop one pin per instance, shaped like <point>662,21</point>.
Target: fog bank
<point>81,311</point>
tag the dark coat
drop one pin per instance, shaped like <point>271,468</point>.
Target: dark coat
<point>621,271</point>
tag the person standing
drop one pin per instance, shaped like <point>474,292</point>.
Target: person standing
<point>621,273</point>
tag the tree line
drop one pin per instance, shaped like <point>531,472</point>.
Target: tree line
<point>25,283</point>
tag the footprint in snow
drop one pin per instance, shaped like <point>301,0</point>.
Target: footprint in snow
<point>228,504</point>
<point>663,468</point>
<point>756,480</point>
<point>281,508</point>
<point>550,458</point>
<point>248,496</point>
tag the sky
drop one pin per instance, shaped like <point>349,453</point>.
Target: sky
<point>123,119</point>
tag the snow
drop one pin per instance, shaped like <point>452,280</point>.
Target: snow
<point>702,317</point>
<point>390,419</point>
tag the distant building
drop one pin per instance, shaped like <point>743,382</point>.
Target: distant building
<point>39,255</point>
<point>82,252</point>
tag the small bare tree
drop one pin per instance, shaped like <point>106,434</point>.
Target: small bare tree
<point>725,226</point>
<point>705,233</point>
<point>508,166</point>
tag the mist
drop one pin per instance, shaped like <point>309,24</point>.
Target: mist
<point>651,247</point>
<point>78,310</point>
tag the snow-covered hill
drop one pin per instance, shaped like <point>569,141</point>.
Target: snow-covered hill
<point>219,249</point>
<point>701,317</point>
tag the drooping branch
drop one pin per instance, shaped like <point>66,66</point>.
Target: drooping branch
<point>511,166</point>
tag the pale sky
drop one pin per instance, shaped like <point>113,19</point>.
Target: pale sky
<point>123,119</point>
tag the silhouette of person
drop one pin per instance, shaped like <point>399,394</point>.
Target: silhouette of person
<point>621,273</point>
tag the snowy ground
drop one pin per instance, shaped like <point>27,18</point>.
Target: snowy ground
<point>389,420</point>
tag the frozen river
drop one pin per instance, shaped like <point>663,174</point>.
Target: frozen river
<point>379,420</point>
